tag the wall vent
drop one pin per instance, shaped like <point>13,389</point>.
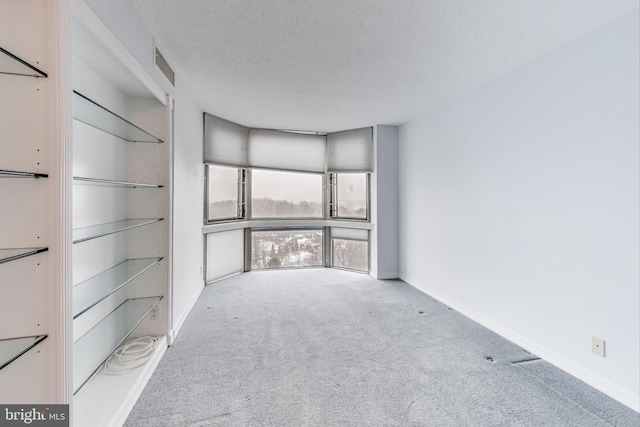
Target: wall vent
<point>165,68</point>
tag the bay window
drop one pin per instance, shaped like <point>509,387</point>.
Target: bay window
<point>282,188</point>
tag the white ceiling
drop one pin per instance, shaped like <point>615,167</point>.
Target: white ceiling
<point>327,65</point>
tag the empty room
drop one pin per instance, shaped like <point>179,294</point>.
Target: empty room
<point>320,213</point>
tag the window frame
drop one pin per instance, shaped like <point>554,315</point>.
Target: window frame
<point>329,212</point>
<point>242,185</point>
<point>333,265</point>
<point>330,255</point>
<point>333,201</point>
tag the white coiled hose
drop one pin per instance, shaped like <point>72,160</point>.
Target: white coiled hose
<point>131,355</point>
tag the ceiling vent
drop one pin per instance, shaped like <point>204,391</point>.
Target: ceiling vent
<point>165,68</point>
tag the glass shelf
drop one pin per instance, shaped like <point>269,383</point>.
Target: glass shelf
<point>12,254</point>
<point>12,348</point>
<point>95,115</point>
<point>18,174</point>
<point>95,347</point>
<point>95,231</point>
<point>11,64</point>
<point>113,183</point>
<point>92,291</point>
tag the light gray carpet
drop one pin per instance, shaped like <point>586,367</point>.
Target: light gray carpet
<point>324,347</point>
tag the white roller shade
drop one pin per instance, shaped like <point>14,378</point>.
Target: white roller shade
<point>350,151</point>
<point>349,233</point>
<point>225,142</point>
<point>286,150</point>
<point>225,254</point>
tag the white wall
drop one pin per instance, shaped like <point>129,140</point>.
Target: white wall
<point>188,190</point>
<point>519,206</point>
<point>384,204</point>
<point>123,20</point>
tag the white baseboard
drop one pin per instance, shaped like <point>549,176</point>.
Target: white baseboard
<point>175,330</point>
<point>388,276</point>
<point>605,386</point>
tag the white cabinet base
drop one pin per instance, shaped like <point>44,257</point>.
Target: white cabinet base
<point>107,400</point>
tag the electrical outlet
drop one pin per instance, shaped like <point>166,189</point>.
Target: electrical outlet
<point>597,346</point>
<point>154,313</point>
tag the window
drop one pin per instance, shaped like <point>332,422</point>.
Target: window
<point>349,195</point>
<point>276,194</point>
<point>350,254</point>
<point>350,249</point>
<point>225,193</point>
<point>293,178</point>
<point>286,249</point>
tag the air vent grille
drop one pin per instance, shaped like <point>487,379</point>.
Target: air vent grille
<point>165,68</point>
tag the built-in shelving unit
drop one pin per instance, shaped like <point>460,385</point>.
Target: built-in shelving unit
<point>99,243</point>
<point>12,348</point>
<point>93,290</point>
<point>19,174</point>
<point>121,218</point>
<point>113,285</point>
<point>94,114</point>
<point>11,64</point>
<point>30,288</point>
<point>101,230</point>
<point>95,347</point>
<point>7,255</point>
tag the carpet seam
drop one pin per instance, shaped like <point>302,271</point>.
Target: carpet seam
<point>569,399</point>
<point>517,362</point>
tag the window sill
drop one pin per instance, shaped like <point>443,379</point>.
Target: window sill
<point>285,223</point>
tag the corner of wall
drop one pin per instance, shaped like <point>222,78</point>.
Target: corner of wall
<point>384,203</point>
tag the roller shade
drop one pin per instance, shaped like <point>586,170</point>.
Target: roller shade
<point>349,233</point>
<point>225,142</point>
<point>350,151</point>
<point>225,254</point>
<point>286,150</point>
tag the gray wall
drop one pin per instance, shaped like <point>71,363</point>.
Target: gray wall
<point>519,206</point>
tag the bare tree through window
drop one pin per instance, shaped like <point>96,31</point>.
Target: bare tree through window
<point>286,249</point>
<point>350,254</point>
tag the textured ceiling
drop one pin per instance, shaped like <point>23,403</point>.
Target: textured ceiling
<point>335,64</point>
